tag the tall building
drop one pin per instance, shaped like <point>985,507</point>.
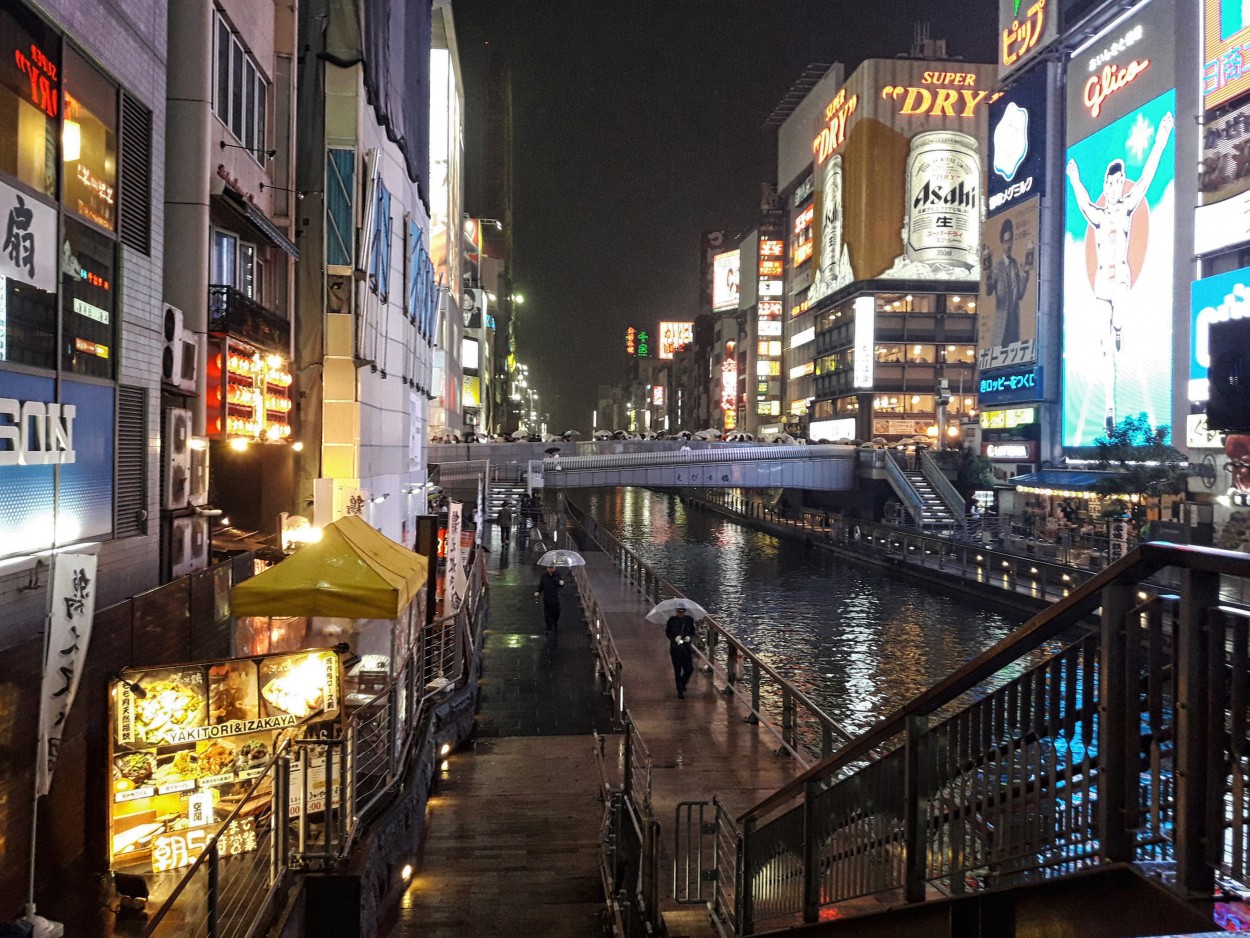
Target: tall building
<point>82,180</point>
<point>369,296</point>
<point>885,253</point>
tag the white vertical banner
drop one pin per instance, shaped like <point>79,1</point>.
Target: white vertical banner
<point>479,511</point>
<point>1118,539</point>
<point>452,592</point>
<point>69,630</point>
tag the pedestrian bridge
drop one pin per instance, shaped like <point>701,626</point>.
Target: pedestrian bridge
<point>826,467</point>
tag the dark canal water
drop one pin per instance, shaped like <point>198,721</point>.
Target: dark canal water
<point>859,642</point>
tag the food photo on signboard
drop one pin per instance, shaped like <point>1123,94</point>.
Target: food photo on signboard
<point>189,742</point>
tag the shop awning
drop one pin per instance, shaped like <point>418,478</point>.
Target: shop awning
<point>1074,481</point>
<point>261,222</point>
<point>353,571</point>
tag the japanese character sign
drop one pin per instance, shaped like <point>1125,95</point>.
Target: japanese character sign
<point>69,631</point>
<point>28,251</point>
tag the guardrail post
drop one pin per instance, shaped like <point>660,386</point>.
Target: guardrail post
<point>811,855</point>
<point>213,892</point>
<point>755,695</point>
<point>1117,725</point>
<point>629,758</point>
<point>282,811</point>
<point>746,901</point>
<point>1198,653</point>
<point>787,718</point>
<point>915,827</point>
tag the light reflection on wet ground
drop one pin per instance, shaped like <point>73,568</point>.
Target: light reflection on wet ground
<point>859,642</point>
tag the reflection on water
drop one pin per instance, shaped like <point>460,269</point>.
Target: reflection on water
<point>858,641</point>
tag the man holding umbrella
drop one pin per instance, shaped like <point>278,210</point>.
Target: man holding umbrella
<point>549,586</point>
<point>681,631</point>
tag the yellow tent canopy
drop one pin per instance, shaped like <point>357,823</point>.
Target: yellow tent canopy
<point>353,571</point>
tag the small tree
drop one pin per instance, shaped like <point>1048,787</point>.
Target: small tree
<point>973,472</point>
<point>1143,458</point>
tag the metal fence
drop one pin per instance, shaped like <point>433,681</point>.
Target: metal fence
<point>800,727</point>
<point>332,785</point>
<point>1123,745</point>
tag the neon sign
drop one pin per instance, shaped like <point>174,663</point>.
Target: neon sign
<point>1110,80</point>
<point>38,68</point>
<point>1022,38</point>
<point>837,113</point>
<point>940,102</point>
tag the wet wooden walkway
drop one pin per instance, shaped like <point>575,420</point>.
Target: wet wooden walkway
<point>512,844</point>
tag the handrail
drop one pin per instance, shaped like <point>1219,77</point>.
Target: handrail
<point>656,588</point>
<point>1063,614</point>
<point>942,485</point>
<point>903,488</point>
<point>748,453</point>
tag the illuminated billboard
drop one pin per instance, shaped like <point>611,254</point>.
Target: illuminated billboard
<point>1008,306</point>
<point>1026,27</point>
<point>1119,207</point>
<point>1214,299</point>
<point>1226,51</point>
<point>673,336</point>
<point>899,174</point>
<point>726,274</point>
<point>1017,143</point>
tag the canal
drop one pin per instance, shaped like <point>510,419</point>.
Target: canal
<point>857,640</point>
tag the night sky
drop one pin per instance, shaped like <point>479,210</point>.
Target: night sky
<point>638,126</point>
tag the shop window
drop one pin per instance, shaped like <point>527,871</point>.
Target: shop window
<point>889,354</point>
<point>959,354</point>
<point>846,405</point>
<point>961,304</point>
<point>239,91</point>
<point>224,265</point>
<point>88,301</point>
<point>380,252</point>
<point>822,410</point>
<point>27,324</point>
<point>90,142</point>
<point>906,302</point>
<point>921,354</point>
<point>30,98</point>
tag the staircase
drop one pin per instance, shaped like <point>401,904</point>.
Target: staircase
<point>1076,778</point>
<point>501,492</point>
<point>936,512</point>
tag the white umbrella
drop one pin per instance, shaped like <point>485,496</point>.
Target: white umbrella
<point>667,607</point>
<point>570,434</point>
<point>561,558</point>
<point>603,434</point>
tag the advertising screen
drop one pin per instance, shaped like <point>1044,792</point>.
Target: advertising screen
<point>726,272</point>
<point>1225,171</point>
<point>1226,51</point>
<point>898,170</point>
<point>1118,223</point>
<point>1008,304</point>
<point>1214,299</point>
<point>469,358</point>
<point>675,335</point>
<point>1017,143</point>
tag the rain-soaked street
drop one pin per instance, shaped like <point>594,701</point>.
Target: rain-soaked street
<point>857,640</point>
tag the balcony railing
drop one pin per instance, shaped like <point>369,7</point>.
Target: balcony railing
<point>239,315</point>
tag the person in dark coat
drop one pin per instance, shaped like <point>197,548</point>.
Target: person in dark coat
<point>681,632</point>
<point>504,520</point>
<point>549,586</point>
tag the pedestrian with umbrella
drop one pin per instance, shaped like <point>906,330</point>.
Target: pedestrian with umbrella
<point>504,520</point>
<point>548,591</point>
<point>681,631</point>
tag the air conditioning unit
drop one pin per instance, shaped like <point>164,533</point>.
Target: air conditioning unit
<point>197,487</point>
<point>176,463</point>
<point>180,357</point>
<point>189,361</point>
<point>196,557</point>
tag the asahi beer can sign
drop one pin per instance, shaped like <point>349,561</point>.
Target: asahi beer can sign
<point>834,264</point>
<point>943,201</point>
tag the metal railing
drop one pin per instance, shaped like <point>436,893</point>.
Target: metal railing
<point>942,485</point>
<point>800,727</point>
<point>1128,744</point>
<point>728,453</point>
<point>333,784</point>
<point>237,314</point>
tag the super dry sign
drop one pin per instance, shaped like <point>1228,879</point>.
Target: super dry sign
<point>833,134</point>
<point>933,98</point>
